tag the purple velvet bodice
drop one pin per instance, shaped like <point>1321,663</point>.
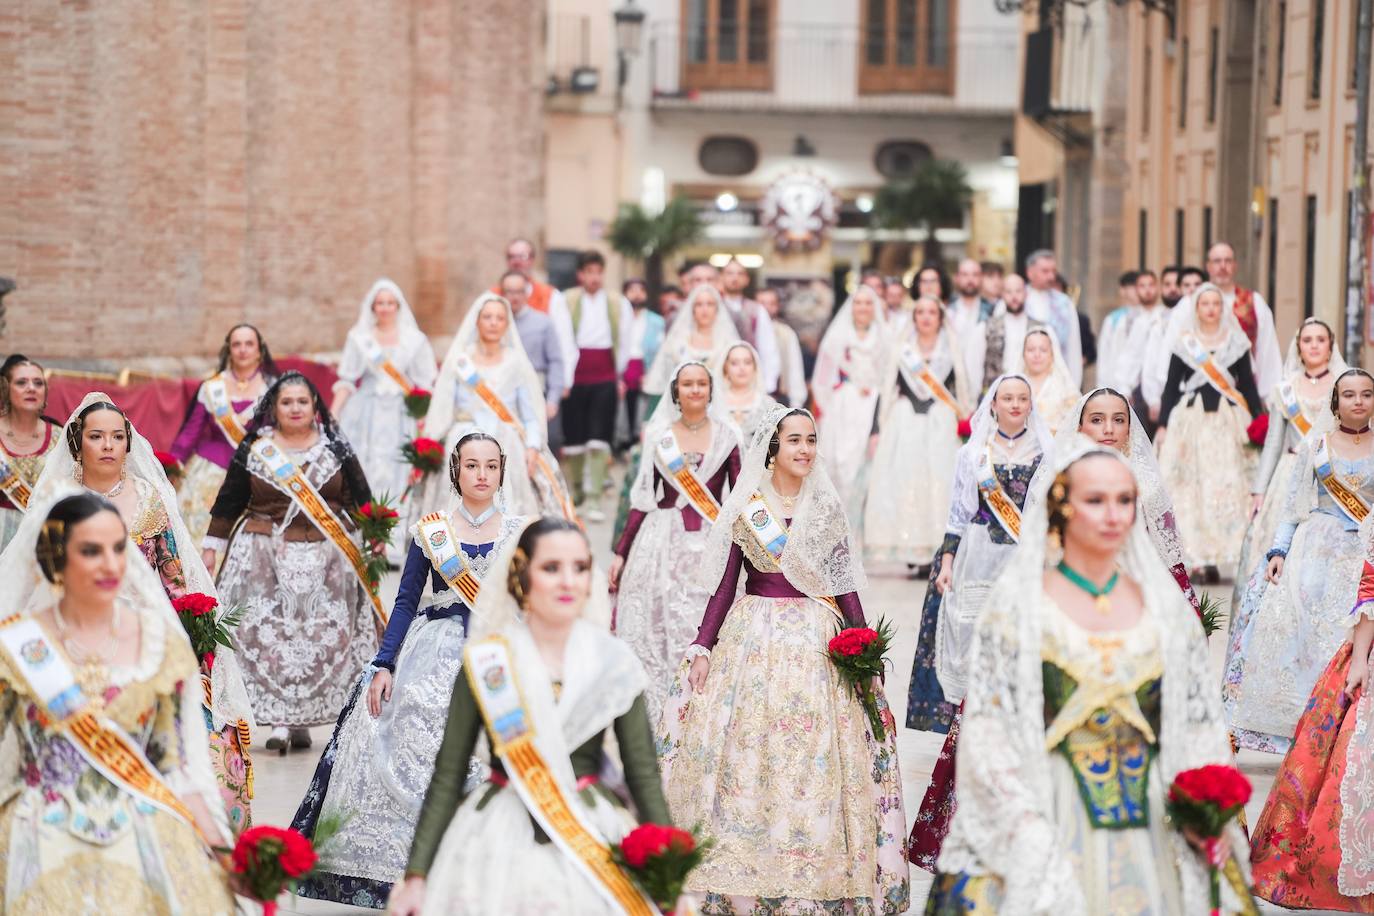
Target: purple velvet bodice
<point>201,435</point>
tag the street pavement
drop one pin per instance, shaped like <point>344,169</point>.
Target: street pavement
<point>281,781</point>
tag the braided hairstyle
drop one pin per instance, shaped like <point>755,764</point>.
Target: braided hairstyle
<point>775,443</point>
<point>266,412</point>
<point>710,378</point>
<point>66,513</point>
<point>1336,387</point>
<point>12,362</point>
<point>77,427</point>
<point>455,458</point>
<point>1057,506</point>
<point>268,365</point>
<point>518,575</point>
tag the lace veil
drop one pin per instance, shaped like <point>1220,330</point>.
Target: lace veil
<point>948,355</point>
<point>1236,341</point>
<point>366,324</point>
<point>677,343</point>
<point>514,361</point>
<point>722,384</point>
<point>1005,824</point>
<point>644,495</point>
<point>983,425</point>
<point>840,337</point>
<point>818,559</point>
<point>59,471</point>
<point>1292,362</point>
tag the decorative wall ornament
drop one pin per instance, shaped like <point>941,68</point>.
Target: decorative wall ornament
<point>799,208</point>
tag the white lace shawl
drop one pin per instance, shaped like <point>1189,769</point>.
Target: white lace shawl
<point>818,559</point>
<point>1225,356</point>
<point>677,342</point>
<point>947,356</point>
<point>644,495</point>
<point>416,356</point>
<point>842,350</point>
<point>1005,821</point>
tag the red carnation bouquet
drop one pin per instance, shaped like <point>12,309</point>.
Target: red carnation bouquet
<point>376,520</point>
<point>170,466</point>
<point>269,860</point>
<point>417,403</point>
<point>206,629</point>
<point>659,858</point>
<point>424,455</point>
<point>860,654</point>
<point>1257,430</point>
<point>1201,802</point>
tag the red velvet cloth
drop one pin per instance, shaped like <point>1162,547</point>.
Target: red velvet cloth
<point>157,407</point>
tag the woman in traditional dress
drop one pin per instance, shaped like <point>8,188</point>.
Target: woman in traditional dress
<point>992,473</point>
<point>26,438</point>
<point>741,388</point>
<point>1207,404</point>
<point>693,454</point>
<point>488,383</point>
<point>762,743</point>
<point>1297,618</point>
<point>846,383</point>
<point>915,438</point>
<point>1312,847</point>
<point>385,357</point>
<point>289,563</point>
<point>558,683</point>
<point>215,422</point>
<point>701,331</point>
<point>1042,362</point>
<point>377,766</point>
<point>92,640</point>
<point>1089,692</point>
<point>106,455</point>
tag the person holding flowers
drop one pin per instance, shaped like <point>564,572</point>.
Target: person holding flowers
<point>377,766</point>
<point>26,437</point>
<point>1089,696</point>
<point>111,805</point>
<point>764,742</point>
<point>387,367</point>
<point>105,453</point>
<point>214,423</point>
<point>284,521</point>
<point>545,685</point>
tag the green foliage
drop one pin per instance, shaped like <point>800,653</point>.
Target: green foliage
<point>937,193</point>
<point>636,234</point>
<point>1210,613</point>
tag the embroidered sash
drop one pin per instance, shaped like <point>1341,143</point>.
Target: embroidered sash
<point>215,398</point>
<point>1349,500</point>
<point>288,478</point>
<point>1292,408</point>
<point>98,738</point>
<point>470,375</point>
<point>378,359</point>
<point>916,370</point>
<point>13,484</point>
<point>441,546</point>
<point>491,673</point>
<point>997,499</point>
<point>680,474</point>
<point>772,537</point>
<point>1215,375</point>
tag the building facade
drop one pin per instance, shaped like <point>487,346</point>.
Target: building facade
<point>170,169</point>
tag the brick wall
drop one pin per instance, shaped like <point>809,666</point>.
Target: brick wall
<point>169,168</point>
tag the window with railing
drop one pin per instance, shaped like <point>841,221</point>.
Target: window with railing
<point>906,46</point>
<point>728,44</point>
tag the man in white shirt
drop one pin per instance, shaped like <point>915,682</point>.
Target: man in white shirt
<point>602,328</point>
<point>792,377</point>
<point>1146,328</point>
<point>1002,334</point>
<point>1154,369</point>
<point>1049,306</point>
<point>752,322</point>
<point>1115,331</point>
<point>966,312</point>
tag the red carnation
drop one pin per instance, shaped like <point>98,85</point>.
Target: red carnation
<point>1223,786</point>
<point>428,445</point>
<point>195,604</point>
<point>421,393</point>
<point>650,840</point>
<point>1201,802</point>
<point>208,660</point>
<point>1258,430</point>
<point>965,428</point>
<point>377,512</point>
<point>659,857</point>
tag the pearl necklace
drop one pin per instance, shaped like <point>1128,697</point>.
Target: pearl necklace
<point>693,427</point>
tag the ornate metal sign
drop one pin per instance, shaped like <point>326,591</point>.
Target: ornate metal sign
<point>799,208</point>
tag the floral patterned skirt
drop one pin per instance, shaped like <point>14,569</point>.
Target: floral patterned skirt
<point>234,773</point>
<point>776,761</point>
<point>196,494</point>
<point>1313,845</point>
<point>937,806</point>
<point>1208,467</point>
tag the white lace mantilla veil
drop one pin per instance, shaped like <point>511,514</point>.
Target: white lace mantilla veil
<point>497,609</point>
<point>230,703</point>
<point>947,356</point>
<point>718,372</point>
<point>363,328</point>
<point>818,559</point>
<point>1059,375</point>
<point>1236,341</point>
<point>1005,822</point>
<point>679,338</point>
<point>440,415</point>
<point>983,425</point>
<point>1292,361</point>
<point>1153,499</point>
<point>643,494</point>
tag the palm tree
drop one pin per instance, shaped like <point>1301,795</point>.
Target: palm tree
<point>639,235</point>
<point>936,194</point>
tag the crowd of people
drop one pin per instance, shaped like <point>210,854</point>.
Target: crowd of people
<point>940,429</point>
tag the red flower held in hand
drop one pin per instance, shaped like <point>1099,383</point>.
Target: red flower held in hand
<point>208,659</point>
<point>965,428</point>
<point>195,604</point>
<point>291,850</point>
<point>1224,786</point>
<point>650,840</point>
<point>377,512</point>
<point>426,446</point>
<point>1258,429</point>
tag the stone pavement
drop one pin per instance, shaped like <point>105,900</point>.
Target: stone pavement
<point>281,781</point>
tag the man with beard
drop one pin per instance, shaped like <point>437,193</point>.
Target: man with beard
<point>1151,316</point>
<point>1049,305</point>
<point>1169,293</point>
<point>752,322</point>
<point>967,312</point>
<point>1002,333</point>
<point>1154,357</point>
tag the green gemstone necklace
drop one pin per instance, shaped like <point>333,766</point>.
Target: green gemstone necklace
<point>1100,599</point>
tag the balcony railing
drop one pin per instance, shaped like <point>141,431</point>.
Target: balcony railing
<point>829,68</point>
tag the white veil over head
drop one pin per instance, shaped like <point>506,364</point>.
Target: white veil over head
<point>1059,370</point>
<point>677,342</point>
<point>841,333</point>
<point>948,356</point>
<point>983,423</point>
<point>59,471</point>
<point>1236,340</point>
<point>724,438</point>
<point>983,426</point>
<point>366,324</point>
<point>1004,771</point>
<point>818,559</point>
<point>722,383</point>
<point>1292,363</point>
<point>514,362</point>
